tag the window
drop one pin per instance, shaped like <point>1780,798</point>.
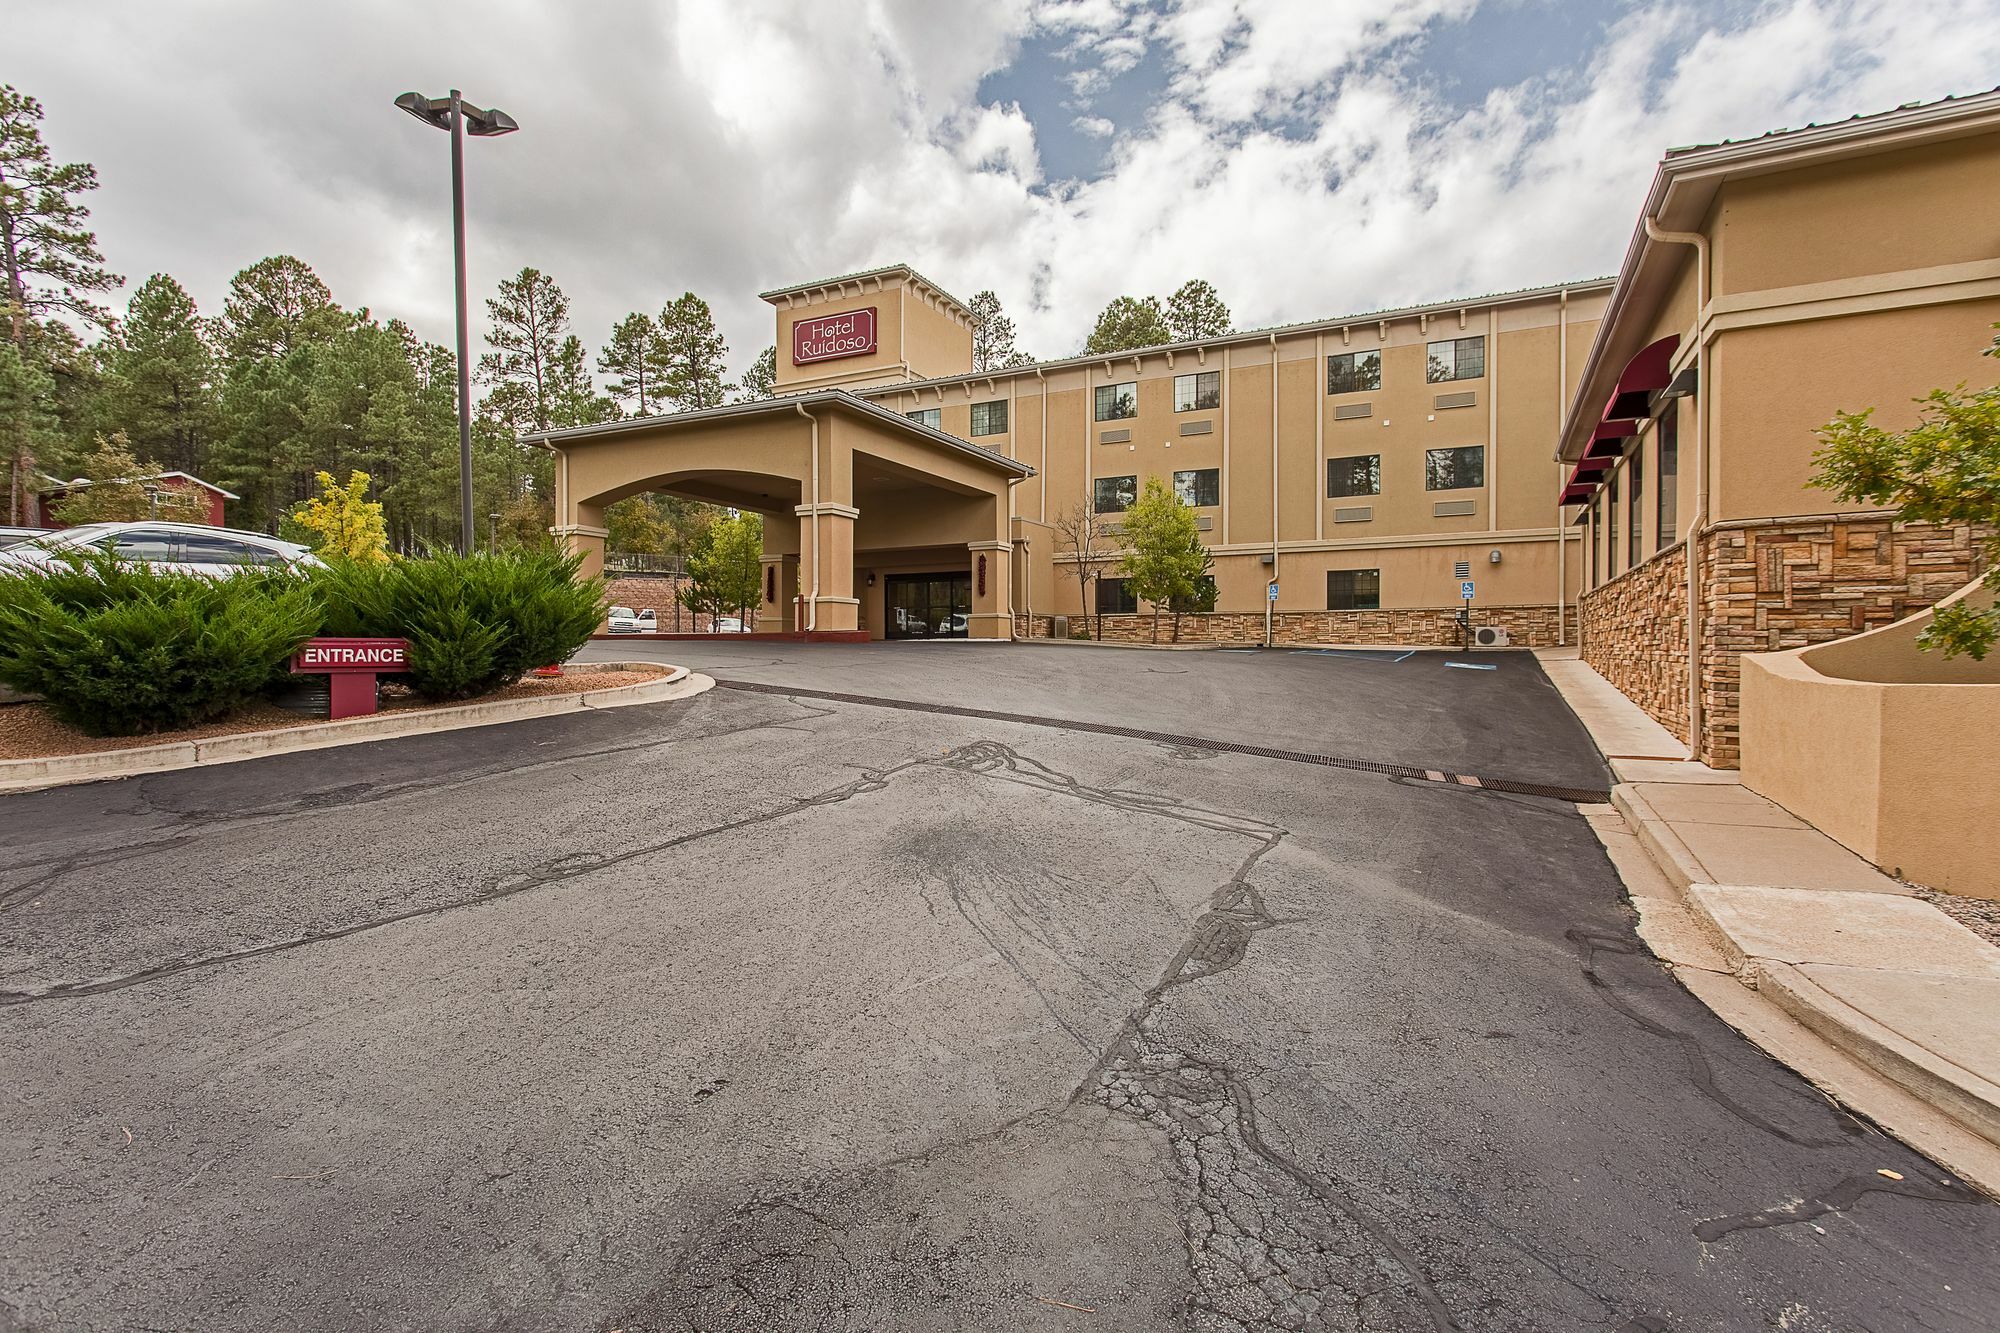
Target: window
<point>1667,505</point>
<point>154,547</point>
<point>1116,494</point>
<point>1596,521</point>
<point>1611,526</point>
<point>201,549</point>
<point>1198,392</point>
<point>990,418</point>
<point>1456,359</point>
<point>1635,496</point>
<point>1198,488</point>
<point>1353,589</point>
<point>1115,402</point>
<point>927,416</point>
<point>1353,372</point>
<point>1459,469</point>
<point>1115,599</point>
<point>1360,475</point>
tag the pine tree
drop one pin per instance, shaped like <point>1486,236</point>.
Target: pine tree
<point>992,334</point>
<point>51,265</point>
<point>530,321</point>
<point>160,381</point>
<point>275,307</point>
<point>630,359</point>
<point>692,355</point>
<point>1127,323</point>
<point>760,379</point>
<point>573,397</point>
<point>1196,311</point>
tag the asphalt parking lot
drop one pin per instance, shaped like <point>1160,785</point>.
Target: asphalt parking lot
<point>764,1010</point>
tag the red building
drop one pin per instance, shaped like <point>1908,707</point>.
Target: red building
<point>53,492</point>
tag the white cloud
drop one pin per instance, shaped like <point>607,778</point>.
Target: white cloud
<point>1301,155</point>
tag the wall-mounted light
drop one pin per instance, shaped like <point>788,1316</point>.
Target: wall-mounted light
<point>871,578</point>
<point>1493,556</point>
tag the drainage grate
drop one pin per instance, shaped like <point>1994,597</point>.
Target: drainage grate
<point>1579,795</point>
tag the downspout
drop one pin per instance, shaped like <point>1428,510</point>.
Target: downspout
<point>812,606</point>
<point>1269,604</point>
<point>1562,529</point>
<point>1699,518</point>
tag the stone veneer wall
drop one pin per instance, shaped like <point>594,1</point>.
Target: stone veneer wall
<point>1633,630</point>
<point>1767,585</point>
<point>1528,626</point>
<point>640,591</point>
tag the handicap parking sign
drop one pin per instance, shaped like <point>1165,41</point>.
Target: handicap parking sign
<point>1465,590</point>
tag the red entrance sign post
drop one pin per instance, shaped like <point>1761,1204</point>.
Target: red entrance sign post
<point>350,666</point>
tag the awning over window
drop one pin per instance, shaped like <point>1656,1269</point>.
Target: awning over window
<point>1608,440</point>
<point>1647,371</point>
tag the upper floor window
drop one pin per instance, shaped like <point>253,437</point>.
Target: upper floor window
<point>990,418</point>
<point>927,416</point>
<point>1456,359</point>
<point>1198,392</point>
<point>1202,486</point>
<point>1115,402</point>
<point>1459,469</point>
<point>1360,475</point>
<point>1115,494</point>
<point>1353,372</point>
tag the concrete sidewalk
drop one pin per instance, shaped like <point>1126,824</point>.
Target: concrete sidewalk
<point>1881,1000</point>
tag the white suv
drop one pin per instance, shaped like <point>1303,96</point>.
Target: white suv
<point>187,548</point>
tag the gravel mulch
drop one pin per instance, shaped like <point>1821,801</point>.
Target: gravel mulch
<point>1981,916</point>
<point>30,731</point>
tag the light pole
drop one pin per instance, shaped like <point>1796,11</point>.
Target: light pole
<point>493,534</point>
<point>452,114</point>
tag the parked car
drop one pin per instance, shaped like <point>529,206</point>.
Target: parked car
<point>624,620</point>
<point>15,536</point>
<point>728,625</point>
<point>187,548</point>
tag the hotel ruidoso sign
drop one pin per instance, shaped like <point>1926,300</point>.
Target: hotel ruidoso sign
<point>830,337</point>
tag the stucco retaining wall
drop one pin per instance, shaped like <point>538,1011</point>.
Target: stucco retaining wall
<point>1891,751</point>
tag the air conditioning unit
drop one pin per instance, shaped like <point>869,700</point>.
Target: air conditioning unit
<point>1489,636</point>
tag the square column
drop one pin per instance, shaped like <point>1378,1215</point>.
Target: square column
<point>992,584</point>
<point>585,534</point>
<point>826,567</point>
<point>777,606</point>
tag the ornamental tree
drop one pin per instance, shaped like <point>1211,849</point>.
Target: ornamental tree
<point>1943,470</point>
<point>343,521</point>
<point>725,571</point>
<point>1164,558</point>
<point>118,488</point>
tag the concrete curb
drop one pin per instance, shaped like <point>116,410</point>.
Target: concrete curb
<point>20,775</point>
<point>1877,998</point>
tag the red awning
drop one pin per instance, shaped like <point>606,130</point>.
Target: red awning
<point>1576,495</point>
<point>1649,369</point>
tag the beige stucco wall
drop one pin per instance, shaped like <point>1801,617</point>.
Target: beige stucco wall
<point>918,335</point>
<point>1893,752</point>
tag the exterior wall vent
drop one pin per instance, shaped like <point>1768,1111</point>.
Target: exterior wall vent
<point>1466,399</point>
<point>1114,437</point>
<point>1197,428</point>
<point>1353,411</point>
<point>1354,514</point>
<point>1204,523</point>
<point>1455,508</point>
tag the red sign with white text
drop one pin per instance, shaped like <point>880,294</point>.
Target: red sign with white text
<point>326,656</point>
<point>830,337</point>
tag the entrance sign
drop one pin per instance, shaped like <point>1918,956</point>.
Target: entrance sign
<point>830,337</point>
<point>350,666</point>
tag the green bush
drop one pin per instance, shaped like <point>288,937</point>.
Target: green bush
<point>123,650</point>
<point>474,623</point>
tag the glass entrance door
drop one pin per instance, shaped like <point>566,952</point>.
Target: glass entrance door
<point>926,606</point>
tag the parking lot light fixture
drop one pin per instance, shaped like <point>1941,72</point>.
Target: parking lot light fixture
<point>453,115</point>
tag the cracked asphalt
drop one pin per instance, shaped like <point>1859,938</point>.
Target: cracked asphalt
<point>752,1011</point>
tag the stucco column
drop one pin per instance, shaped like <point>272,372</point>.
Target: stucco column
<point>777,609</point>
<point>992,578</point>
<point>826,536</point>
<point>583,530</point>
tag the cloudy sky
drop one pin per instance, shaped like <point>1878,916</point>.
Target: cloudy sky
<point>1309,157</point>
